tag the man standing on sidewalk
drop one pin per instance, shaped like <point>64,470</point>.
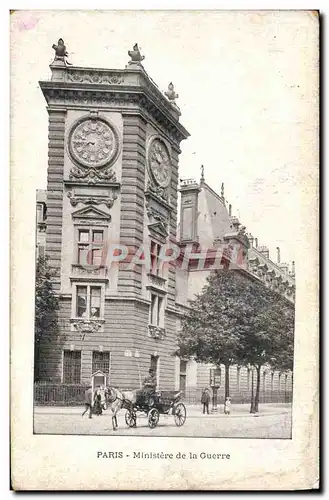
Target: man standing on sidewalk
<point>205,399</point>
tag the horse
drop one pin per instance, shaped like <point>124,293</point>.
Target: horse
<point>117,400</point>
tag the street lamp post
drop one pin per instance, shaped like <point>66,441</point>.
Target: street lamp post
<point>215,381</point>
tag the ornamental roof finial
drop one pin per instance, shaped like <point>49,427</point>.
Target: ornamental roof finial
<point>135,55</point>
<point>60,52</point>
<point>170,93</point>
<point>202,173</point>
<point>222,190</point>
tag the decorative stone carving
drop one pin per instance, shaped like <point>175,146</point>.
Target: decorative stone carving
<point>86,270</point>
<point>91,76</point>
<point>155,215</point>
<point>175,131</point>
<point>92,176</point>
<point>89,222</point>
<point>158,191</point>
<point>135,55</point>
<point>156,332</point>
<point>60,51</point>
<point>156,280</point>
<point>93,142</point>
<point>92,200</point>
<point>170,93</point>
<point>87,325</point>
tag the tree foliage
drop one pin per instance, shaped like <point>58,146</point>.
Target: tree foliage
<point>46,306</point>
<point>238,320</point>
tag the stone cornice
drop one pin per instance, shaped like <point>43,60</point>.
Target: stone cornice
<point>126,89</point>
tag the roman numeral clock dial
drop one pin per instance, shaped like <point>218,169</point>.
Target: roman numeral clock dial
<point>159,163</point>
<point>93,143</point>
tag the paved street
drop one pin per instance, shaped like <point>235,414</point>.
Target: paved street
<point>273,421</point>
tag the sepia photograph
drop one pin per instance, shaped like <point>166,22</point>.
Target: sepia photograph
<point>168,157</point>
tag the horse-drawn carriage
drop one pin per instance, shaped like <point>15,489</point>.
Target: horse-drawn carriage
<point>160,403</point>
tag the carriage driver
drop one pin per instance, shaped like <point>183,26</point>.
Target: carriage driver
<point>149,385</point>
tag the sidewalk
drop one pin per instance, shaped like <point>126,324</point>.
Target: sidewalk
<point>241,410</point>
<point>193,411</point>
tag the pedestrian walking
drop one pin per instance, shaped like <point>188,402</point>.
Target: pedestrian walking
<point>205,400</point>
<point>227,406</point>
<point>88,401</point>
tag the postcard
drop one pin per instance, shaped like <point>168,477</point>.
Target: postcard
<point>164,239</point>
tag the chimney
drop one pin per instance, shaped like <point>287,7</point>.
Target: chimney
<point>278,255</point>
<point>251,239</point>
<point>230,210</point>
<point>256,242</point>
<point>293,268</point>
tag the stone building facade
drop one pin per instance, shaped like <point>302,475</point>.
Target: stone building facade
<point>107,216</point>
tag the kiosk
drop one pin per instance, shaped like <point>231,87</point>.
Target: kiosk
<point>215,382</point>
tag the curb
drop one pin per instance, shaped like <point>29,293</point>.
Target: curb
<point>58,410</point>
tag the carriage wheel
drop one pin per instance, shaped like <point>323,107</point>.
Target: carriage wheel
<point>153,418</point>
<point>179,414</point>
<point>130,418</point>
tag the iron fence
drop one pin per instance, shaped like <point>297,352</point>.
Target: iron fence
<point>54,394</point>
<point>46,393</point>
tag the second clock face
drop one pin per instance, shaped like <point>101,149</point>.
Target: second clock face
<point>159,162</point>
<point>93,143</point>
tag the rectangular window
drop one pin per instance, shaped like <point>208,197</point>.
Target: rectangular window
<point>72,367</point>
<point>88,303</point>
<point>81,302</point>
<point>157,310</point>
<point>90,247</point>
<point>156,264</point>
<point>95,302</point>
<point>40,212</point>
<point>154,364</point>
<point>159,317</point>
<point>101,361</point>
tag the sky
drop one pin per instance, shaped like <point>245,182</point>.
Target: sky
<point>247,85</point>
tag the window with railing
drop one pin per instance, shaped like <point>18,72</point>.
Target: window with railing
<point>71,367</point>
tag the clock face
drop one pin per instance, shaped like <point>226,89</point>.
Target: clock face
<point>93,142</point>
<point>159,162</point>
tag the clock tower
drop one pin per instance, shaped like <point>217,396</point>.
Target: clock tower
<point>114,142</point>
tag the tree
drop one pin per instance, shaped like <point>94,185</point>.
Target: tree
<point>212,329</point>
<point>236,319</point>
<point>46,307</point>
<point>269,339</point>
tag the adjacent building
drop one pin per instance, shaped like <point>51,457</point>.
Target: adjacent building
<point>108,216</point>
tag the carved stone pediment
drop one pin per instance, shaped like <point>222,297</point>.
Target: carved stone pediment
<point>91,213</point>
<point>159,230</point>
